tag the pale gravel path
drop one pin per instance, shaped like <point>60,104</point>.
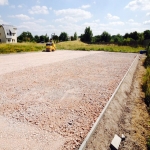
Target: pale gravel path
<point>51,100</point>
<point>16,62</point>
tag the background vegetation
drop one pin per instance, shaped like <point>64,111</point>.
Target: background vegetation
<point>78,45</point>
<point>20,47</point>
<point>68,45</point>
<point>128,39</point>
<point>146,86</point>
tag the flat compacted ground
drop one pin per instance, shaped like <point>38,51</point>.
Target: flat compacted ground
<point>50,101</point>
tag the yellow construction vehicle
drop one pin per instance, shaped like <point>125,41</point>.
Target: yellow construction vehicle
<point>50,46</point>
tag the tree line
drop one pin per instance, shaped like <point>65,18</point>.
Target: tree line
<point>132,39</point>
<point>28,37</point>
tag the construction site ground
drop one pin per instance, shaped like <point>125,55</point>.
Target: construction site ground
<point>50,101</point>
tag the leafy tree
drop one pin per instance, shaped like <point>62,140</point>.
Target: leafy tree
<point>126,41</point>
<point>75,36</point>
<point>146,34</point>
<point>55,38</point>
<point>36,38</point>
<point>140,38</point>
<point>25,37</point>
<point>72,38</point>
<point>82,37</point>
<point>97,39</point>
<point>105,37</point>
<point>134,35</point>
<point>87,36</point>
<point>148,50</point>
<point>46,38</point>
<point>63,36</point>
<point>126,36</point>
<point>42,38</point>
<point>118,39</point>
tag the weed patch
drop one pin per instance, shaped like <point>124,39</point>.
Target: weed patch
<point>20,47</point>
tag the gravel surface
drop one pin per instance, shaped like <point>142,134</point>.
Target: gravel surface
<point>51,100</point>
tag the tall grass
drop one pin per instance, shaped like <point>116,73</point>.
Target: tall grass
<point>146,87</point>
<point>78,45</point>
<point>69,45</point>
<point>146,83</point>
<point>20,47</point>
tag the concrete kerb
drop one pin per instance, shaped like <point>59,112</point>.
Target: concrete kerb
<point>84,143</point>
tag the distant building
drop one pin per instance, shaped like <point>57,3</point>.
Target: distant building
<point>8,34</point>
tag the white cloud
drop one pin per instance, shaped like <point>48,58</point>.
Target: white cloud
<point>50,26</point>
<point>50,8</point>
<point>66,20</point>
<point>131,22</point>
<point>20,6</point>
<point>85,6</point>
<point>148,14</point>
<point>3,22</point>
<point>96,21</point>
<point>40,21</point>
<point>138,4</point>
<point>91,25</point>
<point>37,29</point>
<point>3,2</point>
<point>147,22</point>
<point>30,25</point>
<point>21,16</point>
<point>39,10</point>
<point>111,17</point>
<point>12,6</point>
<point>117,23</point>
<point>38,1</point>
<point>76,14</point>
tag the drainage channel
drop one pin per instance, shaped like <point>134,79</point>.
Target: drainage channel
<point>130,73</point>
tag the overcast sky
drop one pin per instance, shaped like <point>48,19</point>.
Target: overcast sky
<point>55,16</point>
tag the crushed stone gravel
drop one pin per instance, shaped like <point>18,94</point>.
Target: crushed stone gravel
<point>51,100</point>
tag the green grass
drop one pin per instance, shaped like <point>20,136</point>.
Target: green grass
<point>148,143</point>
<point>77,45</point>
<point>20,47</point>
<point>69,45</point>
<point>146,86</point>
<point>146,83</point>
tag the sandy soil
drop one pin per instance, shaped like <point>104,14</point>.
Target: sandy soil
<point>51,100</point>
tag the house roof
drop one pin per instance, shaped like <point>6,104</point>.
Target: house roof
<point>9,30</point>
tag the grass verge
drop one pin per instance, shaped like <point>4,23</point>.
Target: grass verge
<point>146,89</point>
